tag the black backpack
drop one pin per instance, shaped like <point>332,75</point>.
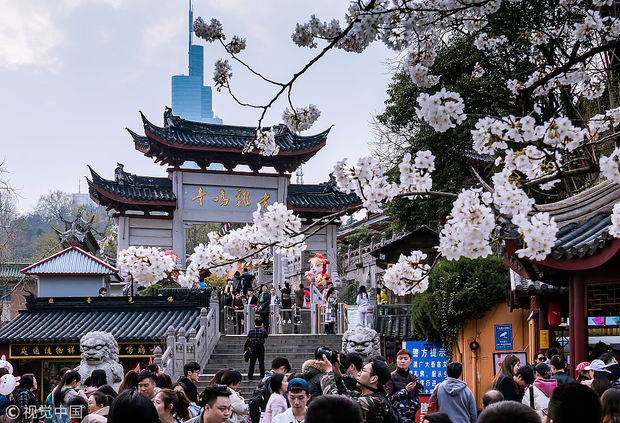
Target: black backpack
<point>259,399</point>
<point>393,415</point>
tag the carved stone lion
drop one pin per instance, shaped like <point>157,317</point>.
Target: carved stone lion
<point>100,351</point>
<point>361,340</point>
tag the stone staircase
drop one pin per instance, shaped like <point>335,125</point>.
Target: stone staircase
<point>296,348</point>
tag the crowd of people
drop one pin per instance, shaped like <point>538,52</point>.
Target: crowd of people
<point>241,289</point>
<point>330,387</point>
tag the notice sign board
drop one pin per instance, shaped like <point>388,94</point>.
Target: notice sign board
<point>503,337</point>
<point>428,362</point>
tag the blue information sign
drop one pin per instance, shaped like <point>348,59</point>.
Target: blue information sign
<point>503,337</point>
<point>428,362</point>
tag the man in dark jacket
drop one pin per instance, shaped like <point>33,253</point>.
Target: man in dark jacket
<point>403,387</point>
<point>264,301</point>
<point>246,279</point>
<point>558,368</point>
<point>237,283</point>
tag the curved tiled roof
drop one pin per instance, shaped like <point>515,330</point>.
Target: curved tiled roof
<point>395,326</point>
<point>528,287</point>
<point>180,141</point>
<point>325,197</point>
<point>198,134</point>
<point>583,220</point>
<point>575,240</point>
<point>140,188</point>
<point>69,325</point>
<point>306,199</point>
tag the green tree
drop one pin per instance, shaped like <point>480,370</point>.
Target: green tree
<point>458,291</point>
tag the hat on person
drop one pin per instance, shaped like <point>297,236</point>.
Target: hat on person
<point>298,383</point>
<point>597,366</point>
<point>582,366</point>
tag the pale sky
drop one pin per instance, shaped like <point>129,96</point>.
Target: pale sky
<point>75,73</point>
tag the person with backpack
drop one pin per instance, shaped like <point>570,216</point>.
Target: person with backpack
<point>376,407</point>
<point>537,390</point>
<point>261,395</point>
<point>65,392</point>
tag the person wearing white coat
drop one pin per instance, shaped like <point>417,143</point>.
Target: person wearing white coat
<point>238,406</point>
<point>537,391</point>
<point>363,303</point>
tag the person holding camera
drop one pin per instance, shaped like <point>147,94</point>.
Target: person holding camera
<point>372,400</point>
<point>313,370</point>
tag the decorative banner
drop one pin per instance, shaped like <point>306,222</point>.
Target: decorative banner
<point>428,362</point>
<point>218,198</point>
<point>137,349</point>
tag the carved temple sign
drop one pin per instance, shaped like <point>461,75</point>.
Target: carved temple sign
<point>142,349</point>
<point>216,198</point>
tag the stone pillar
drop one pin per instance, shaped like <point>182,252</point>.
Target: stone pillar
<point>214,304</point>
<point>249,314</point>
<point>274,312</point>
<point>171,343</point>
<point>191,346</point>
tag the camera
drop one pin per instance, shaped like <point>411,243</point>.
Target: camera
<point>331,355</point>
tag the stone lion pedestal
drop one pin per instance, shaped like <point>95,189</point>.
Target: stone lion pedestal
<point>99,351</point>
<point>363,341</point>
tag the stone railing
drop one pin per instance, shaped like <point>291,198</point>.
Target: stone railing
<point>193,346</point>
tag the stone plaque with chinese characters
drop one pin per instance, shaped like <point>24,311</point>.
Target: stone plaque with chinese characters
<point>226,198</point>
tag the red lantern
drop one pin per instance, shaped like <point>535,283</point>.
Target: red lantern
<point>554,314</point>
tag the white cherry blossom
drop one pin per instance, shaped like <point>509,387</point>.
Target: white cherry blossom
<point>408,275</point>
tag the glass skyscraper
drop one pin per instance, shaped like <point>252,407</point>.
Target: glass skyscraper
<point>191,99</point>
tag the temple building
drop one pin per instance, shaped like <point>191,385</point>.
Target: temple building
<point>574,294</point>
<point>157,212</point>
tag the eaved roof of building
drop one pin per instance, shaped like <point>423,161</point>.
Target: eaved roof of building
<point>129,319</point>
<point>71,261</point>
<point>131,192</point>
<point>11,270</point>
<point>180,140</point>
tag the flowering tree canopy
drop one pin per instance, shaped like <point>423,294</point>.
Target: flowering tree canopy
<point>551,129</point>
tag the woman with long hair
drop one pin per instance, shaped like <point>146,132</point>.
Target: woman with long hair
<point>600,377</point>
<point>130,381</point>
<point>504,379</point>
<point>65,392</point>
<point>611,406</point>
<point>217,377</point>
<point>172,406</point>
<point>277,402</point>
<point>363,303</point>
<point>238,407</point>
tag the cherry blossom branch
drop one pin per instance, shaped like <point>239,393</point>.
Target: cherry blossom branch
<point>561,175</point>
